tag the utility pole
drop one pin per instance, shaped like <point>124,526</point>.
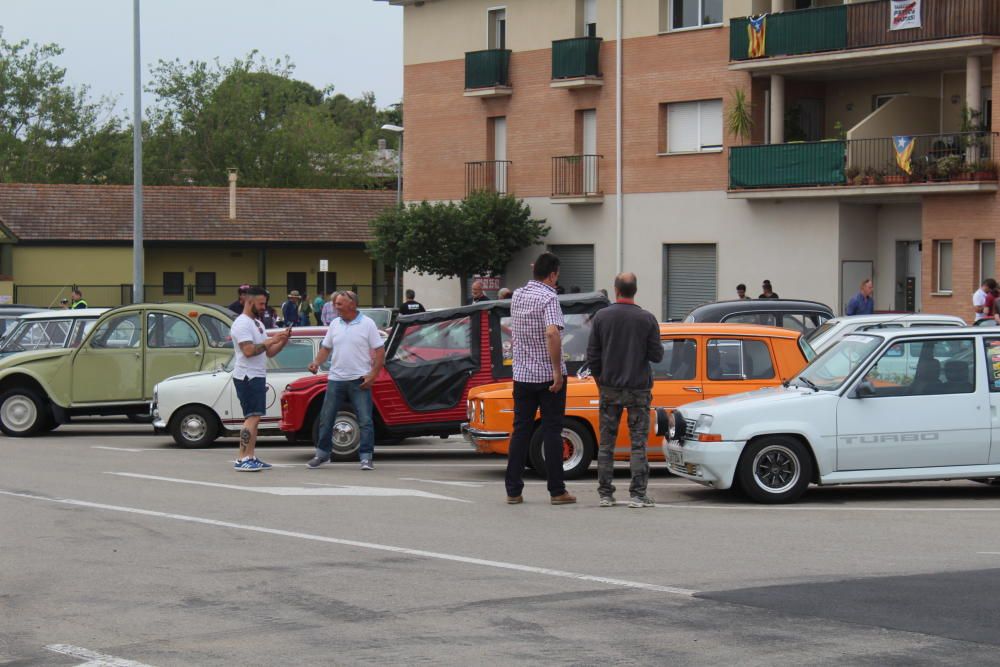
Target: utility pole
<point>138,268</point>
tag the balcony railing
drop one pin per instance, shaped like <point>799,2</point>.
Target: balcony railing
<point>577,57</point>
<point>486,69</point>
<point>576,176</point>
<point>861,25</point>
<point>487,175</point>
<point>935,158</point>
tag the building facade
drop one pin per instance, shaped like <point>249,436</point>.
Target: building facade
<point>867,148</point>
<point>201,243</point>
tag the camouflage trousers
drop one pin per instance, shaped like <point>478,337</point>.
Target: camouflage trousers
<point>613,402</point>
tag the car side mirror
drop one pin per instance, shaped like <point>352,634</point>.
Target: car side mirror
<point>865,389</point>
<point>584,372</point>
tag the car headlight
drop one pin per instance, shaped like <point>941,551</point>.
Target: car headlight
<point>704,424</point>
<point>482,411</point>
<point>156,394</point>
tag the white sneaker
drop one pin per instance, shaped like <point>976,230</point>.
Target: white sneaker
<point>366,464</point>
<point>641,501</point>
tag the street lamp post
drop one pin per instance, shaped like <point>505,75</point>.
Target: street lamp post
<point>399,196</point>
<point>138,269</point>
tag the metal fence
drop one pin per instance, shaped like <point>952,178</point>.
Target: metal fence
<point>487,175</point>
<point>576,57</point>
<point>109,296</point>
<point>484,69</point>
<point>576,175</point>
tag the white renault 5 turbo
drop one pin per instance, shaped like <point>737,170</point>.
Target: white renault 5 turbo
<point>882,406</point>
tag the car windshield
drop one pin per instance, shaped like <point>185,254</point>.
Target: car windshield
<point>832,368</point>
<point>296,356</point>
<point>37,335</point>
<point>381,316</point>
<point>574,339</point>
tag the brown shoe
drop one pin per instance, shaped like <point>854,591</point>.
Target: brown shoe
<point>565,499</point>
<point>515,500</point>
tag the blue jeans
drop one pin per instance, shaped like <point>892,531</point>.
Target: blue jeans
<point>361,401</point>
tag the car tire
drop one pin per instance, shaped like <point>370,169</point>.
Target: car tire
<point>578,450</point>
<point>23,413</point>
<point>346,436</point>
<point>775,469</point>
<point>194,426</point>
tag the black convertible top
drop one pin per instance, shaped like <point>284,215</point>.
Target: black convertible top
<point>714,312</point>
<point>571,303</point>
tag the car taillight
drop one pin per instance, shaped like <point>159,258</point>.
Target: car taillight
<point>482,412</point>
<point>470,410</point>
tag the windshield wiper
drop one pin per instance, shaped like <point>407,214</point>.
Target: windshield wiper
<point>809,383</point>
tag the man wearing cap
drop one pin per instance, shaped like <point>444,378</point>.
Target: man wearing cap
<point>290,309</point>
<point>237,306</point>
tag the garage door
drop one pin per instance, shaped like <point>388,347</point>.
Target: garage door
<point>689,277</point>
<point>576,266</point>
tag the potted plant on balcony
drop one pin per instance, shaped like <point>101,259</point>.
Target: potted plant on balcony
<point>871,174</point>
<point>852,175</point>
<point>985,170</point>
<point>947,168</point>
<point>918,170</point>
<point>739,118</point>
<point>894,178</point>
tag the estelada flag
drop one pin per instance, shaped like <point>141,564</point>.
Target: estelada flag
<point>757,33</point>
<point>904,152</point>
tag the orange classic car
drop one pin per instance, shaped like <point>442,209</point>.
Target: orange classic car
<point>700,361</point>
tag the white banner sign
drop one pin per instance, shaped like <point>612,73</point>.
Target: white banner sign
<point>324,265</point>
<point>904,14</point>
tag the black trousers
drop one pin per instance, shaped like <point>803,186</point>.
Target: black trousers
<point>528,398</point>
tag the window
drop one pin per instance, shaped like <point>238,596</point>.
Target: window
<point>588,9</point>
<point>295,356</point>
<point>993,362</point>
<point>575,337</point>
<point>38,335</point>
<point>680,360</point>
<point>169,331</point>
<point>80,330</point>
<point>121,331</point>
<point>204,283</point>
<point>681,14</point>
<point>295,280</point>
<point>987,260</point>
<point>881,100</point>
<point>942,256</point>
<point>693,127</point>
<point>734,359</point>
<point>689,277</point>
<point>497,25</point>
<point>924,368</point>
<point>216,331</point>
<point>435,341</point>
<point>173,282</point>
<point>765,319</point>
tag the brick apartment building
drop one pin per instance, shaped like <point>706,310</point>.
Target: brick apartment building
<point>522,97</point>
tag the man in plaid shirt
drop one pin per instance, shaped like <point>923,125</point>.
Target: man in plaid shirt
<point>539,379</point>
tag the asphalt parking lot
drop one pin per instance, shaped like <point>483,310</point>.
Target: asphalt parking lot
<point>120,549</point>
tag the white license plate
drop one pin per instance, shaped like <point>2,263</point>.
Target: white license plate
<point>675,458</point>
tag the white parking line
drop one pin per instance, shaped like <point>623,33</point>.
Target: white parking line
<point>800,508</point>
<point>130,449</point>
<point>346,490</point>
<point>93,658</point>
<point>474,485</point>
<point>418,553</point>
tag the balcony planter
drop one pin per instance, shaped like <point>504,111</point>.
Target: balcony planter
<point>895,179</point>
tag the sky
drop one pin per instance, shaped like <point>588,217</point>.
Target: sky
<point>355,45</point>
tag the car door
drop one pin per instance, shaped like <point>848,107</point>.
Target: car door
<point>282,369</point>
<point>677,379</point>
<point>734,365</point>
<point>108,366</point>
<point>928,416</point>
<point>173,347</point>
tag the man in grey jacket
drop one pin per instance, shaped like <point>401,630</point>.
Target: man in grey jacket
<point>624,340</point>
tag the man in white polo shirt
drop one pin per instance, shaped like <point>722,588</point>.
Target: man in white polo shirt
<point>352,341</point>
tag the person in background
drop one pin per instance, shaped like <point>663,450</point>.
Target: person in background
<point>305,310</point>
<point>478,293</point>
<point>505,293</point>
<point>862,303</point>
<point>741,292</point>
<point>539,380</point>
<point>979,298</point>
<point>290,309</point>
<point>77,301</point>
<point>768,292</point>
<point>329,313</point>
<point>411,306</point>
<point>624,341</point>
<point>318,304</point>
<point>269,317</point>
<point>64,304</point>
<point>241,296</point>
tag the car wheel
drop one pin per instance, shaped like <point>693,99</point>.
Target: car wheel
<point>578,450</point>
<point>776,469</point>
<point>23,413</point>
<point>346,439</point>
<point>194,426</point>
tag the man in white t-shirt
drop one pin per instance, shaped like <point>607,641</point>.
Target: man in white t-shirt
<point>981,299</point>
<point>252,348</point>
<point>356,354</point>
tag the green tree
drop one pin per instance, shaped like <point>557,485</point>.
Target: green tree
<point>480,234</point>
<point>46,126</point>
